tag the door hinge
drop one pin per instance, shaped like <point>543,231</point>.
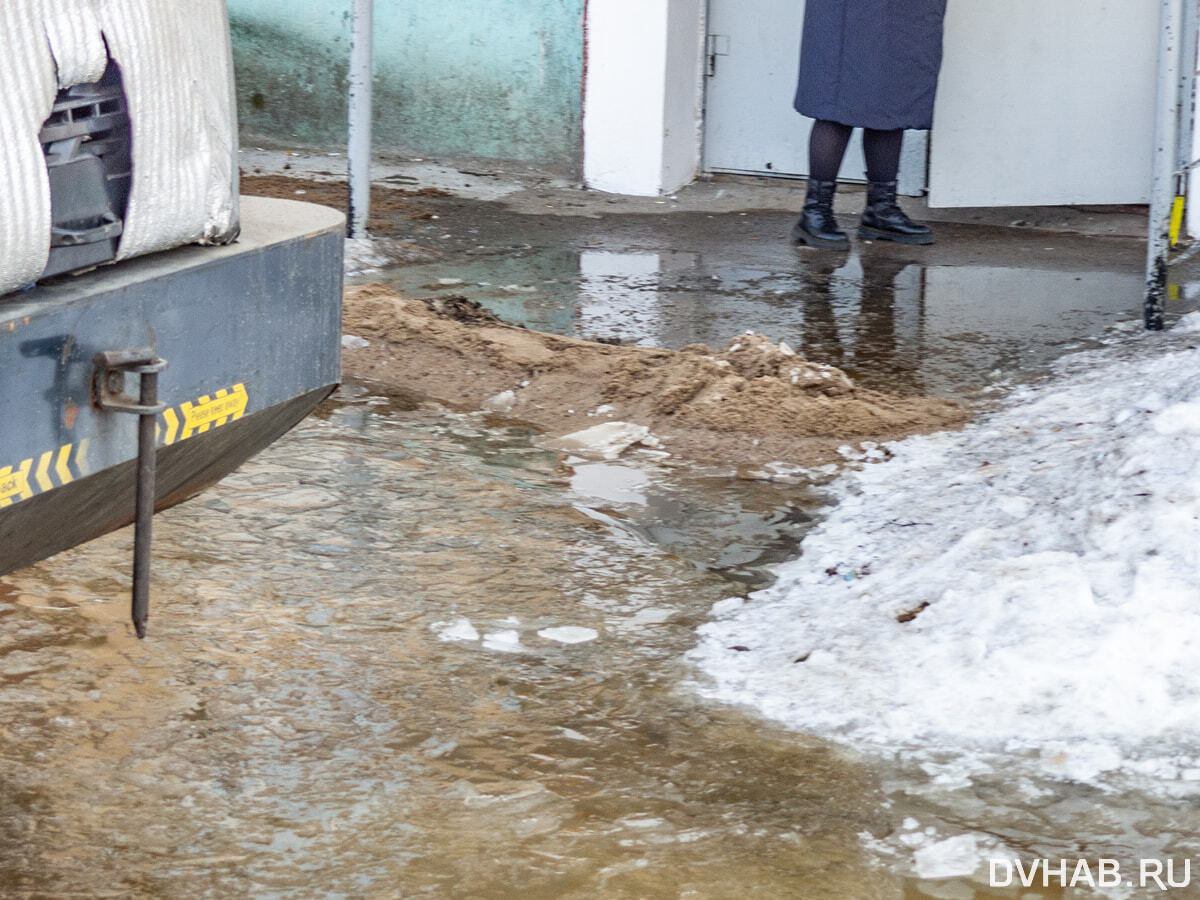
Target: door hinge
<point>714,45</point>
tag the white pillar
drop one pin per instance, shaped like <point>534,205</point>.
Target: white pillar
<point>1167,174</point>
<point>642,95</point>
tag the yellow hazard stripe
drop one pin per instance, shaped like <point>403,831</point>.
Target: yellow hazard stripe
<point>1176,220</point>
<point>14,483</point>
<point>44,481</point>
<point>221,408</point>
<point>69,462</point>
<point>81,458</point>
<point>62,468</point>
<point>42,473</point>
<point>171,418</point>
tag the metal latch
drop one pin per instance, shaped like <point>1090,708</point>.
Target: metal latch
<point>714,45</point>
<point>108,393</point>
<point>108,380</point>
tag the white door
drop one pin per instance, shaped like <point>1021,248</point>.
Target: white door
<point>749,124</point>
<point>1045,102</point>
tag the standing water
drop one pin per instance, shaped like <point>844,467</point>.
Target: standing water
<point>409,653</point>
<point>400,655</point>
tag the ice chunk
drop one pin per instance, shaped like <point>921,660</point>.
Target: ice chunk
<point>952,858</point>
<point>608,440</point>
<point>502,402</point>
<point>362,255</point>
<point>569,634</point>
<point>458,630</point>
<point>503,641</point>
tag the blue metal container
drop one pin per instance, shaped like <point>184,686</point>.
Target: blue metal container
<point>251,337</point>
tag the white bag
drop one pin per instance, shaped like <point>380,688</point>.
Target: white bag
<point>177,66</point>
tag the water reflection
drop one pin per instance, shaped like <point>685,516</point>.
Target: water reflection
<point>876,340</point>
<point>944,320</point>
<point>734,528</point>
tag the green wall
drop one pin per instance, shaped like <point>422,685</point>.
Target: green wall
<point>479,78</point>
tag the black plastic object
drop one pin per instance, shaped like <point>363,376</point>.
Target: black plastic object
<point>87,142</point>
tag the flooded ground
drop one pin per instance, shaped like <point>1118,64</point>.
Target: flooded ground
<point>406,652</point>
<point>980,308</point>
<point>345,692</point>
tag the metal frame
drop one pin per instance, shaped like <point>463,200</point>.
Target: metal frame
<point>1173,138</point>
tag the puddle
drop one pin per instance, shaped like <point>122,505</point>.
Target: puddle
<point>982,307</point>
<point>405,653</point>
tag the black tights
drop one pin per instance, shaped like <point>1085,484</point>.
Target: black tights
<point>827,146</point>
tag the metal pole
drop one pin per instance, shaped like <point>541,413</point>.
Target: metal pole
<point>1190,44</point>
<point>1167,173</point>
<point>145,501</point>
<point>362,17</point>
<point>108,393</point>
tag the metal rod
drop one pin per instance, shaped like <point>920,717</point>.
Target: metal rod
<point>1189,40</point>
<point>1187,91</point>
<point>362,50</point>
<point>1165,185</point>
<point>145,503</point>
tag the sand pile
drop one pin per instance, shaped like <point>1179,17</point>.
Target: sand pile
<point>754,401</point>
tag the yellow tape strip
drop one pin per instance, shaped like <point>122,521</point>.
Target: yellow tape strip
<point>56,468</point>
<point>211,412</point>
<point>1176,220</point>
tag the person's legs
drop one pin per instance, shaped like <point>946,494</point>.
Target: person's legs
<point>826,147</point>
<point>882,150</point>
<point>883,219</point>
<point>817,227</point>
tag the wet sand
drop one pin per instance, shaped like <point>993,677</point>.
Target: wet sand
<point>751,403</point>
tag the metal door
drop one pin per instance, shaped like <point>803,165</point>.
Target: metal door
<point>753,55</point>
<point>1045,102</point>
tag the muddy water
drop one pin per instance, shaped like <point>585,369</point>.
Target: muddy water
<point>311,716</point>
<point>345,692</point>
<point>406,653</point>
<point>981,308</point>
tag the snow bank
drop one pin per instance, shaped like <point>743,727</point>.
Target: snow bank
<point>1027,586</point>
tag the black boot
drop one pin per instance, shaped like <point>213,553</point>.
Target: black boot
<point>884,220</point>
<point>816,226</point>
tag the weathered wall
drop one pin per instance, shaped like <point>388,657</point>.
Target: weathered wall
<point>488,78</point>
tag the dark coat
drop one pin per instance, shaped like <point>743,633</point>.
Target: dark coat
<point>871,63</point>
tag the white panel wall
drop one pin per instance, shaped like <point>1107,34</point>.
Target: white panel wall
<point>1045,102</point>
<point>1040,102</point>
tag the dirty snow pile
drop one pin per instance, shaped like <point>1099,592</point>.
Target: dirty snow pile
<point>1028,587</point>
